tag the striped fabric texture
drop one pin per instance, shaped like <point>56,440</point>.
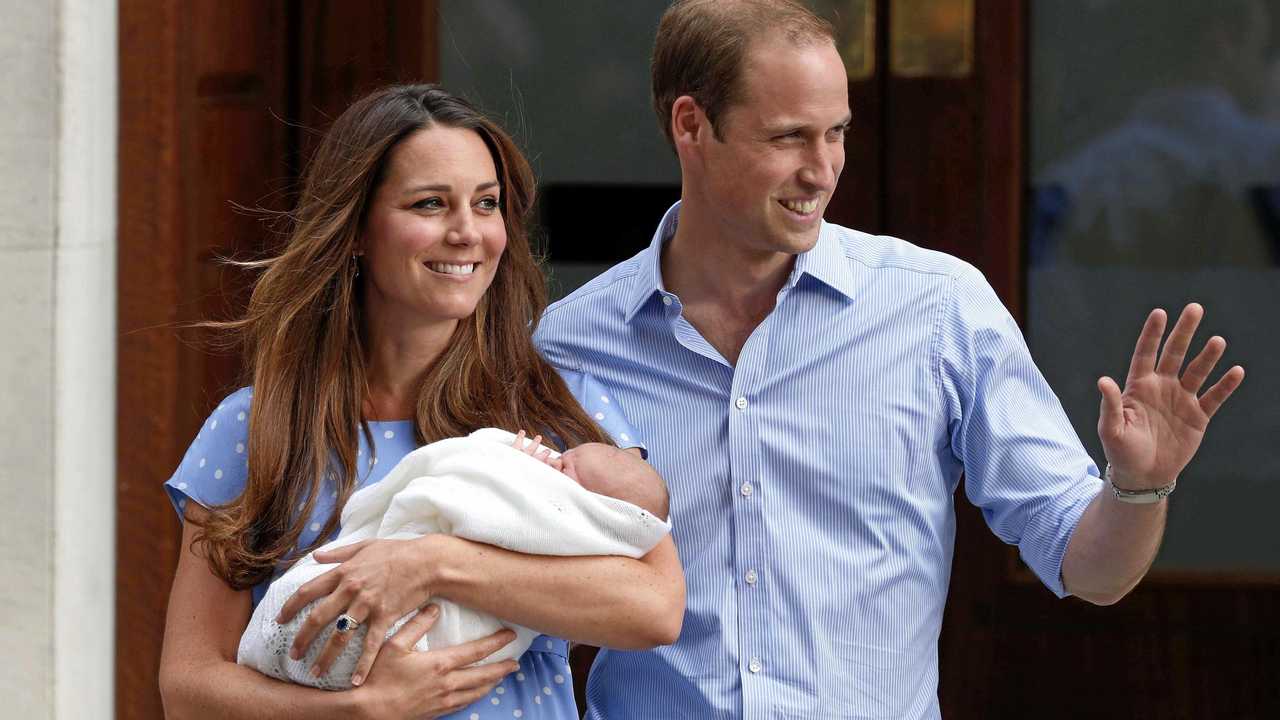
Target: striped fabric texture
<point>812,483</point>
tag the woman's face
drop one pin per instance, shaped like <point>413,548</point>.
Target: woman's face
<point>434,231</point>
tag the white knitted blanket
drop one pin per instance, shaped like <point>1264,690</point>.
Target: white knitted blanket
<point>479,488</point>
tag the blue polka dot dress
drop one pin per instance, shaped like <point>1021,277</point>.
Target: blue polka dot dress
<point>215,469</point>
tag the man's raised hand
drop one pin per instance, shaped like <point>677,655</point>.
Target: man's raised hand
<point>1152,429</point>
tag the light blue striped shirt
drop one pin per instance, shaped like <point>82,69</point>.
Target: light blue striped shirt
<point>812,482</point>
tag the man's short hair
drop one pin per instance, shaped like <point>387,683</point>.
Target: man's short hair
<point>701,46</point>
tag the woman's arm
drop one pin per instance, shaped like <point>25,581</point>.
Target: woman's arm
<point>199,677</point>
<point>607,601</point>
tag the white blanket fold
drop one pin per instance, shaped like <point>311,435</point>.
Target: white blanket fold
<point>479,488</point>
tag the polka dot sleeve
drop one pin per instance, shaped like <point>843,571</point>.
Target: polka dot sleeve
<point>216,466</point>
<point>603,406</point>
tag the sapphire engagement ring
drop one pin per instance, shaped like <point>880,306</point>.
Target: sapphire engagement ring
<point>345,623</point>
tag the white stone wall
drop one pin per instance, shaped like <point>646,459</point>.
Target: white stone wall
<point>57,357</point>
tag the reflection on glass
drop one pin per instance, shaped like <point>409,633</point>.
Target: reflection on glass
<point>1156,181</point>
<point>571,81</point>
<point>855,24</point>
<point>931,39</point>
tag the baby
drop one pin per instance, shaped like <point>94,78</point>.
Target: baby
<point>604,469</point>
<point>491,487</point>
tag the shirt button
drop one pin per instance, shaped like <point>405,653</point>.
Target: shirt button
<point>666,299</point>
<point>755,666</point>
<point>752,577</point>
<point>740,403</point>
<point>746,489</point>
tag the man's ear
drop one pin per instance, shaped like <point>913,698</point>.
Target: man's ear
<point>689,124</point>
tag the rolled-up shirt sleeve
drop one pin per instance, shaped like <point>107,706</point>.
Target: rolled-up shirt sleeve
<point>1024,465</point>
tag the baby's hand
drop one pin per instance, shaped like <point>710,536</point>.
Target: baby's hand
<point>535,450</point>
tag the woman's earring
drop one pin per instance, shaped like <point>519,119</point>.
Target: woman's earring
<point>355,261</point>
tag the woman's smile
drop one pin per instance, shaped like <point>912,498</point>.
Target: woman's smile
<point>462,271</point>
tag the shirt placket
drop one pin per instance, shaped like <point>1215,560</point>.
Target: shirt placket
<point>749,492</point>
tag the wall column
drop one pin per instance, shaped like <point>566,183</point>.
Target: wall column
<point>57,358</point>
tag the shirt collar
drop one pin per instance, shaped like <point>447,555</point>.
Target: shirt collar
<point>825,262</point>
<point>649,276</point>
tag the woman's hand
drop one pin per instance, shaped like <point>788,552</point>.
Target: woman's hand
<point>199,676</point>
<point>404,683</point>
<point>377,583</point>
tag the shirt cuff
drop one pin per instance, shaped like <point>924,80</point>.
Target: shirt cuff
<point>1045,543</point>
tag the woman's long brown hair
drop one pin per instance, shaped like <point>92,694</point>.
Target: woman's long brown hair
<point>302,339</point>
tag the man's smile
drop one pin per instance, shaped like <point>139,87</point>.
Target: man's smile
<point>803,208</point>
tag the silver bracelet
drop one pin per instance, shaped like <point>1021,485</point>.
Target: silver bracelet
<point>1139,497</point>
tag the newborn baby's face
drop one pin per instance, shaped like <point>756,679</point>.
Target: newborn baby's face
<point>587,461</point>
<point>582,463</point>
<point>605,470</point>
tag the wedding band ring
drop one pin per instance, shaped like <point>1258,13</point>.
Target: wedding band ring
<point>345,623</point>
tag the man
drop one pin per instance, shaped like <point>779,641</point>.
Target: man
<point>812,395</point>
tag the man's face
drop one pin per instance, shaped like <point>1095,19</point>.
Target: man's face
<point>770,177</point>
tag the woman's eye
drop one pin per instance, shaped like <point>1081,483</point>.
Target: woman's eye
<point>489,203</point>
<point>431,203</point>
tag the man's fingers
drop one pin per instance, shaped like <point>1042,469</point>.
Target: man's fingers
<point>1175,348</point>
<point>1144,354</point>
<point>1111,413</point>
<point>518,443</point>
<point>476,650</point>
<point>340,554</point>
<point>1221,390</point>
<point>411,632</point>
<point>1199,368</point>
<point>316,588</point>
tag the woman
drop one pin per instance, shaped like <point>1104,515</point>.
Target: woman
<point>399,312</point>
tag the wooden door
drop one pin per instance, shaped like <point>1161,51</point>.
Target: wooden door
<point>216,103</point>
